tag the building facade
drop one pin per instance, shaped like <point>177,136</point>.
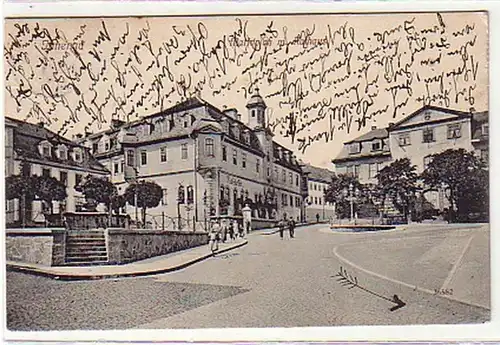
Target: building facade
<point>32,149</point>
<point>318,180</point>
<point>429,130</point>
<point>207,162</point>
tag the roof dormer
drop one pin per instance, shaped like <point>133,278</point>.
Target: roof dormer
<point>45,148</point>
<point>78,154</point>
<point>62,152</point>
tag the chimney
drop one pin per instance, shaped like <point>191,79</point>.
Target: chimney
<point>41,124</point>
<point>77,136</point>
<point>374,128</point>
<point>238,117</point>
<point>232,113</point>
<point>391,124</point>
<point>116,123</point>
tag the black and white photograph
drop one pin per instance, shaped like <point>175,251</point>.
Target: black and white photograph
<point>247,171</point>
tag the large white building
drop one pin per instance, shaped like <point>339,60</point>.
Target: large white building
<point>32,149</point>
<point>427,131</point>
<point>318,180</point>
<point>208,162</point>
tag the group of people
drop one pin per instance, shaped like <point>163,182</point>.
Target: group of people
<point>290,224</point>
<point>223,231</point>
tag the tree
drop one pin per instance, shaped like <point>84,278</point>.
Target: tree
<point>97,190</point>
<point>462,177</point>
<point>398,182</point>
<point>149,194</point>
<point>22,188</point>
<point>337,192</point>
<point>49,189</point>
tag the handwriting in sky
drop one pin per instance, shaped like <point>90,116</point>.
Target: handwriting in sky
<point>322,78</point>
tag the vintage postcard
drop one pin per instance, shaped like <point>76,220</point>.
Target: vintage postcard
<point>247,171</point>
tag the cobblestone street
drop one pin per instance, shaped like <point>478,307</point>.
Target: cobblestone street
<point>280,283</point>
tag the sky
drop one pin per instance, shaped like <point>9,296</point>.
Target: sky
<point>325,79</point>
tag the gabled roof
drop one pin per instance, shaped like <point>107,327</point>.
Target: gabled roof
<point>378,133</point>
<point>457,113</point>
<point>28,136</point>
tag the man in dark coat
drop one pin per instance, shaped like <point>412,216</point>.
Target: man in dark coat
<point>291,227</point>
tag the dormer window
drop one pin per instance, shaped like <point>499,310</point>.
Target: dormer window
<point>354,148</point>
<point>62,152</point>
<point>45,149</point>
<point>77,154</point>
<point>376,145</point>
<point>485,129</point>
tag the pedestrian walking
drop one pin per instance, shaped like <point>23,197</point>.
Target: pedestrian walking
<point>317,217</point>
<point>291,227</point>
<point>231,231</point>
<point>223,231</point>
<point>240,229</point>
<point>281,227</point>
<point>214,237</point>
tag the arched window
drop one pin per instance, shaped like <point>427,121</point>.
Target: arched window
<point>190,195</point>
<point>209,147</point>
<point>180,195</point>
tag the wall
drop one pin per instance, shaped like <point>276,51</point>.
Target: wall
<point>37,246</point>
<point>128,245</point>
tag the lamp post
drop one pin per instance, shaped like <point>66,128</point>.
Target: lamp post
<point>351,196</point>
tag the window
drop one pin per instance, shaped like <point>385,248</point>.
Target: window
<point>485,129</point>
<point>106,146</point>
<point>296,180</point>
<point>290,175</point>
<point>284,200</point>
<point>224,153</point>
<point>427,161</point>
<point>78,179</point>
<point>244,160</point>
<point>184,151</point>
<point>257,165</point>
<point>46,150</point>
<point>404,139</point>
<point>372,170</point>
<point>26,169</point>
<point>356,170</point>
<point>63,177</point>
<point>190,194</point>
<point>116,168</point>
<point>235,157</point>
<point>144,158</point>
<point>454,131</point>
<point>77,155</point>
<point>122,163</point>
<point>209,147</point>
<point>320,200</point>
<point>276,173</point>
<point>354,148</point>
<point>376,146</point>
<point>163,154</point>
<point>254,112</point>
<point>95,147</point>
<point>428,135</point>
<point>283,175</point>
<point>291,200</point>
<point>164,196</point>
<point>112,143</point>
<point>315,200</point>
<point>63,153</point>
<point>130,158</point>
<point>45,172</point>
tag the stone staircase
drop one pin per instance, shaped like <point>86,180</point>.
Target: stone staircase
<point>85,248</point>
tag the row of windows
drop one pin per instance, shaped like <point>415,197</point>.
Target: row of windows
<point>317,186</point>
<point>428,134</point>
<point>47,172</point>
<point>144,156</point>
<point>290,200</point>
<point>235,158</point>
<point>62,152</point>
<point>317,201</point>
<point>375,146</point>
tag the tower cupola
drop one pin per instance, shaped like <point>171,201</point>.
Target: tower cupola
<point>256,110</point>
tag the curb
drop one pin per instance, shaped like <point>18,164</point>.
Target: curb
<point>72,277</point>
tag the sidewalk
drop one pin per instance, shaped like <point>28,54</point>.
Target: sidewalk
<point>156,265</point>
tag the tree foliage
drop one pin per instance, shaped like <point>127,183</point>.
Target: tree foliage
<point>149,195</point>
<point>463,178</point>
<point>398,182</point>
<point>337,192</point>
<point>98,189</point>
<point>19,186</point>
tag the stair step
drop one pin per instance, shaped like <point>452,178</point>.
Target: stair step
<point>85,263</point>
<point>86,252</point>
<point>84,241</point>
<point>86,257</point>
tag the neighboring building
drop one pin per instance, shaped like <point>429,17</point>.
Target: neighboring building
<point>32,149</point>
<point>427,131</point>
<point>318,180</point>
<point>207,161</point>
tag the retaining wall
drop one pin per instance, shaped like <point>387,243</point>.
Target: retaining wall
<point>131,245</point>
<point>37,246</point>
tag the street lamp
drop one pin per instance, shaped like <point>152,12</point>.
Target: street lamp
<point>351,196</point>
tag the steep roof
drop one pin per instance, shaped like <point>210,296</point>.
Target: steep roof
<point>318,174</point>
<point>378,133</point>
<point>28,136</point>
